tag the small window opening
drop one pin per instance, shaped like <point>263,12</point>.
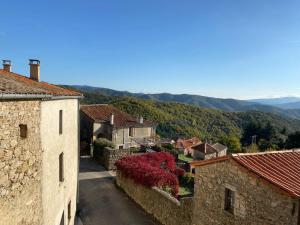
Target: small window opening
<point>69,211</point>
<point>60,121</point>
<point>61,167</point>
<point>23,130</point>
<point>131,131</point>
<point>229,200</point>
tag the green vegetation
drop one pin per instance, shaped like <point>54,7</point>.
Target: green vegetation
<point>180,120</point>
<point>293,140</point>
<point>228,105</point>
<point>232,142</point>
<point>265,135</point>
<point>99,145</point>
<point>184,158</point>
<point>186,185</point>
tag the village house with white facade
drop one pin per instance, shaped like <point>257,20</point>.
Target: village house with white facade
<point>39,144</point>
<point>122,129</point>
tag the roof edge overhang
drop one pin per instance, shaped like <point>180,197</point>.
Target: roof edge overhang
<point>36,96</point>
<point>231,158</point>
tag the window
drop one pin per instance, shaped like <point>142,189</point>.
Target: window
<point>131,129</point>
<point>61,167</point>
<point>229,200</point>
<point>62,219</point>
<point>121,147</point>
<point>294,209</point>
<point>60,121</point>
<point>69,211</point>
<point>23,130</point>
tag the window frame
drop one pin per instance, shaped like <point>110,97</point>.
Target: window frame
<point>23,131</point>
<point>131,131</point>
<point>61,168</point>
<point>69,210</point>
<point>229,200</point>
<point>60,122</point>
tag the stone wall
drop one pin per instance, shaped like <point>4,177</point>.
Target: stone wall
<point>166,209</point>
<point>256,202</point>
<point>109,156</point>
<point>20,164</point>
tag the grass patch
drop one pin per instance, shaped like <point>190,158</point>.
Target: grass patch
<point>184,191</point>
<point>184,158</point>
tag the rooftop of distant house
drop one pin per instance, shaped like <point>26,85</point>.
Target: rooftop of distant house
<point>280,168</point>
<point>102,113</point>
<point>187,143</point>
<point>13,85</point>
<point>207,148</point>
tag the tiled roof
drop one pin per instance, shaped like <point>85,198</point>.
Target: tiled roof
<point>281,168</point>
<point>219,147</point>
<point>186,144</point>
<point>103,112</point>
<point>206,148</point>
<point>16,84</point>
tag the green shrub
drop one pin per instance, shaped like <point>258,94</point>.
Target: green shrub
<point>100,144</point>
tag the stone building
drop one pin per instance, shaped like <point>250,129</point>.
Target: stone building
<point>250,189</point>
<point>185,145</point>
<point>38,149</point>
<point>205,151</point>
<point>106,121</point>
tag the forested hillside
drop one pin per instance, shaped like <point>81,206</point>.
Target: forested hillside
<point>183,120</point>
<point>228,105</point>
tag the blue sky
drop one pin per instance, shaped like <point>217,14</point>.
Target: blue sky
<point>223,48</point>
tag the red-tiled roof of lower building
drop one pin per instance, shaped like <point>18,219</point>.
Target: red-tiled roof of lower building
<point>281,168</point>
<point>103,112</point>
<point>16,84</point>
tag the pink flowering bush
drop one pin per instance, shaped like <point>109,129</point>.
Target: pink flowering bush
<point>152,170</point>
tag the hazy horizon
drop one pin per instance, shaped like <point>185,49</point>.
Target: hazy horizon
<point>174,93</point>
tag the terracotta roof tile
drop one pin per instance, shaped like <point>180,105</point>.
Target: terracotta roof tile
<point>12,83</point>
<point>186,144</point>
<point>102,113</point>
<point>280,168</point>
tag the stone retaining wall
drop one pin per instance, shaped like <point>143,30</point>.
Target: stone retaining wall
<point>20,164</point>
<point>163,207</point>
<point>110,156</point>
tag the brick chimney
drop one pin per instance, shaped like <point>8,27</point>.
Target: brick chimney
<point>34,69</point>
<point>6,65</point>
<point>141,120</point>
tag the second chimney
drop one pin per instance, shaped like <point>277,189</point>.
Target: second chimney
<point>6,65</point>
<point>34,69</point>
<point>112,119</point>
<point>141,120</point>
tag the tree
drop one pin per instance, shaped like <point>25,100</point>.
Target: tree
<point>293,140</point>
<point>232,142</point>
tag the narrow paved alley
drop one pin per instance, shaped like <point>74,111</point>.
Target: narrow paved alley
<point>102,203</point>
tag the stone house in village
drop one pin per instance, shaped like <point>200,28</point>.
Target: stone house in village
<point>38,149</point>
<point>185,145</point>
<point>106,121</point>
<point>250,189</point>
<point>205,151</point>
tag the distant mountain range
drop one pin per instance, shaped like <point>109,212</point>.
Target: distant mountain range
<point>277,101</point>
<point>288,107</point>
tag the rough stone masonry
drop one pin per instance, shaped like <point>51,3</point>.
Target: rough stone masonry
<point>20,163</point>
